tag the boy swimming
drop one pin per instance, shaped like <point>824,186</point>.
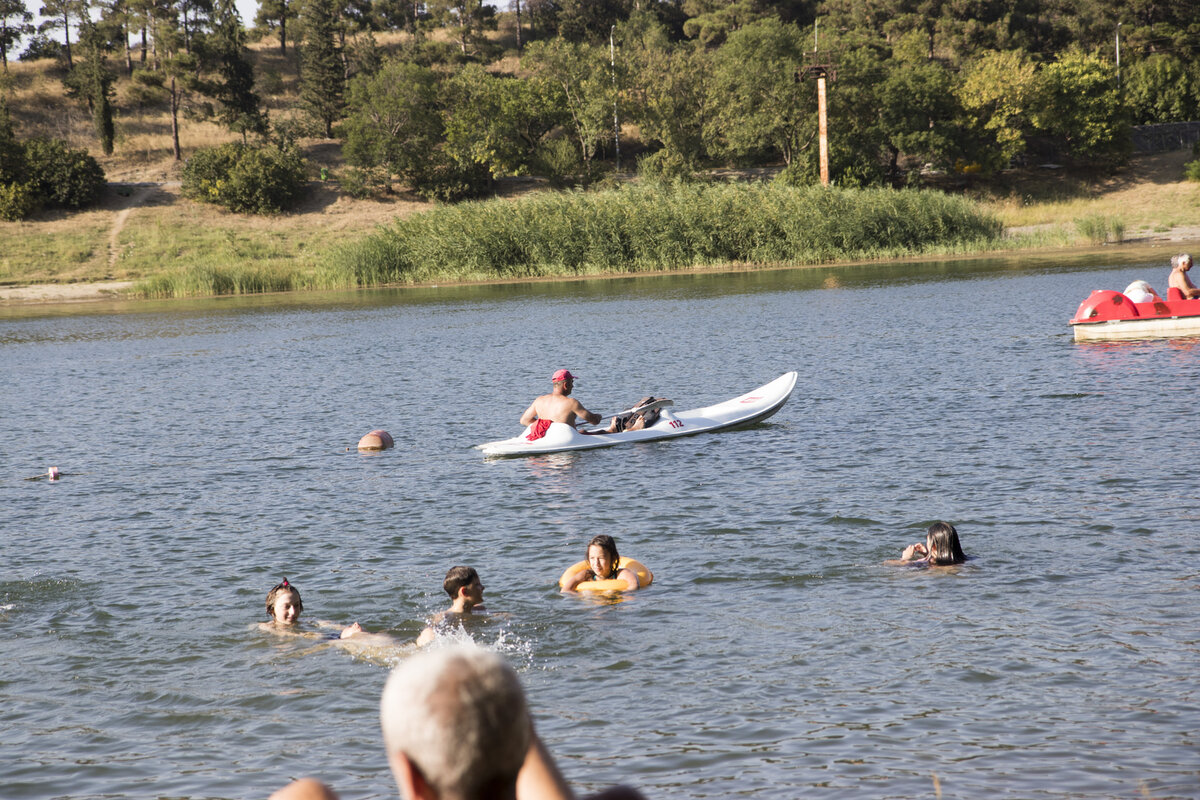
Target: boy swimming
<point>466,593</point>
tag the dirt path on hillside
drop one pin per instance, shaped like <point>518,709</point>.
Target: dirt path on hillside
<point>114,235</point>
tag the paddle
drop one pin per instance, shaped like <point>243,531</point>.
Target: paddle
<point>651,406</point>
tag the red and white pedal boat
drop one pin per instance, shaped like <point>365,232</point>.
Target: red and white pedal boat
<point>1113,315</point>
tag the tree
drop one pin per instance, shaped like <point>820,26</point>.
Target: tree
<point>711,21</point>
<point>393,120</point>
<point>917,111</point>
<point>14,23</point>
<point>181,68</point>
<point>140,15</point>
<point>396,123</point>
<point>755,104</point>
<point>1161,89</point>
<point>589,20</point>
<point>92,82</point>
<point>999,93</point>
<point>398,14</point>
<point>583,74</point>
<point>58,14</point>
<point>194,16</point>
<point>468,18</point>
<point>1080,106</point>
<point>276,13</point>
<point>498,123</point>
<point>323,76</point>
<point>666,85</point>
<point>240,109</point>
<point>12,153</point>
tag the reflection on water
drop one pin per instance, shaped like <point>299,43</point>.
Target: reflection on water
<point>207,449</point>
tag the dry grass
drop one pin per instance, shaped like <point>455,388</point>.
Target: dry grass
<point>1148,196</point>
<point>167,231</point>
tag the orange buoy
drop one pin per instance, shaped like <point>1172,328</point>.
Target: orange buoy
<point>376,440</point>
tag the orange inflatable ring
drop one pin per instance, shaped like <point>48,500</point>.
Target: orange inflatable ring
<point>644,577</point>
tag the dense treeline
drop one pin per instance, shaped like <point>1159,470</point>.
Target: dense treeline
<point>916,85</point>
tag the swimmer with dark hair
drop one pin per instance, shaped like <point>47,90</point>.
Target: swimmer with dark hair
<point>466,594</point>
<point>603,563</point>
<point>941,548</point>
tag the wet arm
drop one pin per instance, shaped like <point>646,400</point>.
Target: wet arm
<point>588,416</point>
<point>630,578</point>
<point>576,578</point>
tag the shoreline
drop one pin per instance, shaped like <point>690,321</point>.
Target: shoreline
<point>85,292</point>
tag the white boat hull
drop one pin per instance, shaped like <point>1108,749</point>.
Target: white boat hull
<point>746,409</point>
<point>1137,329</point>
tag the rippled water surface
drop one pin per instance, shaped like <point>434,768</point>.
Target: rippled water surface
<point>208,451</point>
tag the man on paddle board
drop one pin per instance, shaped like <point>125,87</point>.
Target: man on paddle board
<point>558,406</point>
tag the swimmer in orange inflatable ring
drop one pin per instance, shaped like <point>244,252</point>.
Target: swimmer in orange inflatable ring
<point>605,570</point>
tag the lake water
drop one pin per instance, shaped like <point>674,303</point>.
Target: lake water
<point>207,451</point>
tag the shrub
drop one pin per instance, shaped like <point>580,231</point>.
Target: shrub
<point>146,89</point>
<point>363,182</point>
<point>558,159</point>
<point>207,170</point>
<point>244,178</point>
<point>12,159</point>
<point>666,165</point>
<point>61,177</point>
<point>16,201</point>
<point>271,82</point>
<point>449,181</point>
<point>41,46</point>
<point>1192,170</point>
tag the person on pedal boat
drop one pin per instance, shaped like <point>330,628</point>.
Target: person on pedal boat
<point>1179,278</point>
<point>558,406</point>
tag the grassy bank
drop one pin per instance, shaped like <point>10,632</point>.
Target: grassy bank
<point>175,247</point>
<point>651,227</point>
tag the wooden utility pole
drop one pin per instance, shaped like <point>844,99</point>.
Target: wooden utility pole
<point>820,72</point>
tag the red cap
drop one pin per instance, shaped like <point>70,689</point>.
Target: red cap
<point>562,375</point>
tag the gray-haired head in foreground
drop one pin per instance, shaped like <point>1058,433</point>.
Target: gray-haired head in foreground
<point>459,715</point>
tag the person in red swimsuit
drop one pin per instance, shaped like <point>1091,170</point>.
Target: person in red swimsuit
<point>558,406</point>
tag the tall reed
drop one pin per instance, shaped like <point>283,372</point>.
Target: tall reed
<point>1099,229</point>
<point>658,227</point>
